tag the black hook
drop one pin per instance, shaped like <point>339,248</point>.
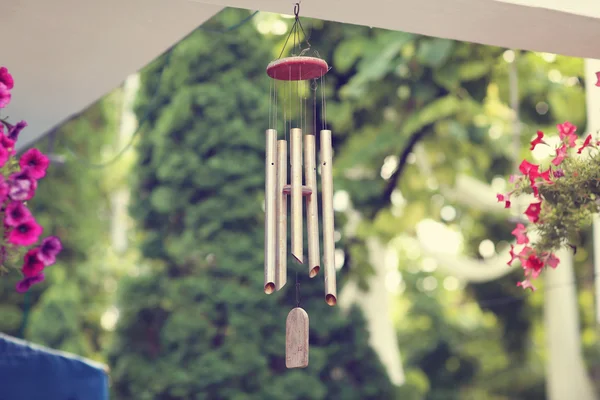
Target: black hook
<point>297,10</point>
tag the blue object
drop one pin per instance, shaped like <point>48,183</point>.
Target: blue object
<point>31,372</point>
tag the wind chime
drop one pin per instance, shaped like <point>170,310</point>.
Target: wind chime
<point>292,79</point>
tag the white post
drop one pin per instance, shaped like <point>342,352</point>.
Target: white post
<point>566,375</point>
<point>592,94</point>
<point>120,196</point>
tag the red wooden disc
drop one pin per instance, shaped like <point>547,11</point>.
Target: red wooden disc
<point>297,68</point>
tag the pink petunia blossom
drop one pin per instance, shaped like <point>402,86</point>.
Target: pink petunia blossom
<point>528,168</point>
<point>26,233</point>
<point>6,78</point>
<point>32,265</point>
<point>8,144</point>
<point>520,233</point>
<point>537,140</point>
<point>567,131</point>
<point>505,198</point>
<point>22,186</point>
<point>533,211</point>
<point>561,153</point>
<point>49,249</point>
<point>552,261</point>
<point>26,283</point>
<point>526,284</point>
<point>513,256</point>
<point>15,130</point>
<point>533,264</point>
<point>585,144</point>
<point>5,95</point>
<point>3,189</point>
<point>35,162</point>
<point>4,156</point>
<point>16,213</point>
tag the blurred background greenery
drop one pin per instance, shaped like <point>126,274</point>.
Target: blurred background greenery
<point>178,312</point>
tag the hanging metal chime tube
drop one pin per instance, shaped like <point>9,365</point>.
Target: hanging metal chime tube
<point>312,212</point>
<point>270,210</point>
<point>328,222</point>
<point>281,271</point>
<point>296,193</point>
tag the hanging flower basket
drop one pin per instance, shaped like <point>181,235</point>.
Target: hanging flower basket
<point>566,196</point>
<point>20,246</point>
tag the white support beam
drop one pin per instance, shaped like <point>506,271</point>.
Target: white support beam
<point>554,26</point>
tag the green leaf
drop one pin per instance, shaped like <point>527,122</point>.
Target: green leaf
<point>473,70</point>
<point>348,52</point>
<point>434,52</point>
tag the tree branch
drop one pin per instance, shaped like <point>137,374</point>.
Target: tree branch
<point>402,161</point>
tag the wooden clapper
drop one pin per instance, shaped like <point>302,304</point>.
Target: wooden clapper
<point>296,339</point>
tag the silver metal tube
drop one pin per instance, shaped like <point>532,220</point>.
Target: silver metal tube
<point>270,210</point>
<point>296,165</point>
<point>281,270</point>
<point>328,222</point>
<point>312,210</point>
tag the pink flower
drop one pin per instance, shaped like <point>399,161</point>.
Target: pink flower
<point>16,213</point>
<point>7,144</point>
<point>32,265</point>
<point>567,131</point>
<point>4,156</point>
<point>533,211</point>
<point>529,169</point>
<point>552,260</point>
<point>22,186</point>
<point>26,233</point>
<point>526,284</point>
<point>537,140</point>
<point>598,78</point>
<point>4,95</point>
<point>586,143</point>
<point>534,265</point>
<point>26,283</point>
<point>49,249</point>
<point>561,153</point>
<point>513,255</point>
<point>520,233</point>
<point>15,130</point>
<point>505,199</point>
<point>3,189</point>
<point>6,78</point>
<point>35,162</point>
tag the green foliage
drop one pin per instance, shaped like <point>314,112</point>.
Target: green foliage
<point>195,324</point>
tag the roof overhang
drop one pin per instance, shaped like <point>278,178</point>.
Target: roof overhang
<point>66,54</point>
<point>554,26</point>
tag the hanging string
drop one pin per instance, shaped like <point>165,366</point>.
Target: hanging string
<point>297,291</point>
<point>322,105</point>
<point>324,101</point>
<point>299,100</point>
<point>294,31</point>
<point>314,87</point>
<point>271,101</point>
<point>305,111</point>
